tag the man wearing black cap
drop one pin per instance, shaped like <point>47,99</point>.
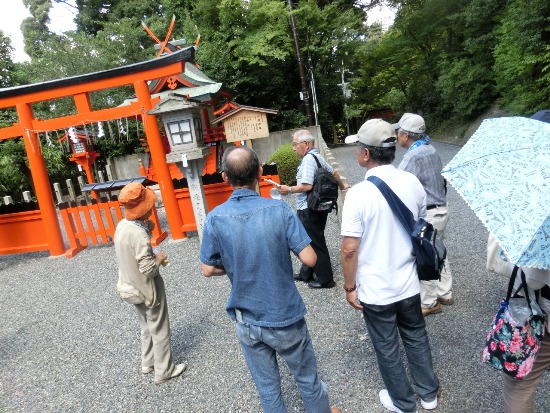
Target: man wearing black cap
<point>422,160</point>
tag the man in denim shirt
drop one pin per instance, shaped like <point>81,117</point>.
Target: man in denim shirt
<point>250,238</point>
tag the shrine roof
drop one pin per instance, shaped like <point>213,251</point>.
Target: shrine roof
<point>196,75</point>
<point>196,94</point>
<point>192,76</point>
<point>186,54</point>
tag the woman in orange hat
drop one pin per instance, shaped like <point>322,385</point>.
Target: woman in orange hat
<point>140,283</point>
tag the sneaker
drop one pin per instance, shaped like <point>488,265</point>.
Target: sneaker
<point>387,402</point>
<point>446,301</point>
<point>180,368</point>
<point>436,308</point>
<point>147,370</point>
<point>429,405</point>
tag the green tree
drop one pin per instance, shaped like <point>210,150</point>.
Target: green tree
<point>522,56</point>
<point>6,62</point>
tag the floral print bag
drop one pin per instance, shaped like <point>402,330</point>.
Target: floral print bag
<point>512,346</point>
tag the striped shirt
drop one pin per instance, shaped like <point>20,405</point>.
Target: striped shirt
<point>425,164</point>
<point>306,174</point>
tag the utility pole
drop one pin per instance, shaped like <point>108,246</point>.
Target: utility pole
<point>346,92</point>
<point>313,92</point>
<point>304,94</point>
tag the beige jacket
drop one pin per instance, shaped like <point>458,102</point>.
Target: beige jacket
<point>136,265</point>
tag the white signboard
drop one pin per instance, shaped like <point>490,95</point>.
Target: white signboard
<point>246,125</point>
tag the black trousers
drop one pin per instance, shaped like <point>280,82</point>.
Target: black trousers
<point>315,223</point>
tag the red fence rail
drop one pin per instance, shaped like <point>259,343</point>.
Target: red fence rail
<point>87,224</point>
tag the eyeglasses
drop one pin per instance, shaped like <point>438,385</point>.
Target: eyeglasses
<point>294,144</point>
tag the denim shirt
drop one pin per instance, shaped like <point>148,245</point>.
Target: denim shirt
<point>252,237</point>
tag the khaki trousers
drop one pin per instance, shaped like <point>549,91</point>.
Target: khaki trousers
<point>155,335</point>
<point>519,395</point>
<point>430,291</point>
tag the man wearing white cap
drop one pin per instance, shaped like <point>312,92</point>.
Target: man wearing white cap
<point>380,275</point>
<point>422,160</point>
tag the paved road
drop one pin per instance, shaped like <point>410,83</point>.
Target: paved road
<point>67,344</point>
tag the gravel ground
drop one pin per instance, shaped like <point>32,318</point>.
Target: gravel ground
<point>68,344</point>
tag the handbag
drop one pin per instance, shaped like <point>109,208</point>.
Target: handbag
<point>516,332</point>
<point>428,247</point>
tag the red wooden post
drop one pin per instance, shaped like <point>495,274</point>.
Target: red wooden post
<point>159,160</point>
<point>41,181</point>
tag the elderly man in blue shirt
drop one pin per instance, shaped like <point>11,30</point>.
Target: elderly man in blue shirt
<point>314,222</point>
<point>249,238</point>
<point>422,160</point>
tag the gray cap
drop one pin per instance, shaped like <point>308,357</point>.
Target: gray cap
<point>375,132</point>
<point>411,122</point>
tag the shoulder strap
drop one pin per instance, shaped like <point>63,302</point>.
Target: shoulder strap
<point>403,213</point>
<point>523,286</point>
<point>316,160</point>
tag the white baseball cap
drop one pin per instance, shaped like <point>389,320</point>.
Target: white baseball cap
<point>411,122</point>
<point>375,132</point>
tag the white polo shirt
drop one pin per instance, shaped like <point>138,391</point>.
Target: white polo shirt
<point>386,270</point>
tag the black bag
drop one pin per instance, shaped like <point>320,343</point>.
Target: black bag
<point>324,194</point>
<point>428,247</point>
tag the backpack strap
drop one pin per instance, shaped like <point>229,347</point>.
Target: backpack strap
<point>403,213</point>
<point>316,160</point>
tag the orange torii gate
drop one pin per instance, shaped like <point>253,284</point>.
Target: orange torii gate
<point>79,87</point>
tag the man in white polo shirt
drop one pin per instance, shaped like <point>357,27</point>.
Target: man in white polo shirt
<point>380,275</point>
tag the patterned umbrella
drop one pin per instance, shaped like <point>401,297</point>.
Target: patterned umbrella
<point>503,173</point>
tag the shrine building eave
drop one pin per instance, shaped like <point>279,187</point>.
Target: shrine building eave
<point>199,94</point>
<point>186,54</point>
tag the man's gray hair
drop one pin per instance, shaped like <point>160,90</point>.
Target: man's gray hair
<point>416,136</point>
<point>383,156</point>
<point>303,135</point>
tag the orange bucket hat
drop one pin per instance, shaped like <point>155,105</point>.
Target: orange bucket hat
<point>136,200</point>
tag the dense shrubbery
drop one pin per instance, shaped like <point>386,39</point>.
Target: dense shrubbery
<point>447,60</point>
<point>287,162</point>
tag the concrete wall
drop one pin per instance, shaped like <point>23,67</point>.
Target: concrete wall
<point>266,146</point>
<point>121,167</point>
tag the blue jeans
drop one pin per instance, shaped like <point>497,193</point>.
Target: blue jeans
<point>260,346</point>
<point>383,323</point>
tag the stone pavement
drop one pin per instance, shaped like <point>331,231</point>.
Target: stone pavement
<point>68,344</point>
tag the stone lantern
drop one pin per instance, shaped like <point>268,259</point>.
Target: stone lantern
<point>182,123</point>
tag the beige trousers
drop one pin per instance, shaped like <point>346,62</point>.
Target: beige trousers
<point>519,395</point>
<point>430,291</point>
<point>155,335</point>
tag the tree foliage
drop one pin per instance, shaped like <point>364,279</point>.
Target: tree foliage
<point>448,60</point>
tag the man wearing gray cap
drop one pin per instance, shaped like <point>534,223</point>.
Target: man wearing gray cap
<point>422,160</point>
<point>380,275</point>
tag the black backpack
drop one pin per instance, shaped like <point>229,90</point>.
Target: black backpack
<point>324,194</point>
<point>428,248</point>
